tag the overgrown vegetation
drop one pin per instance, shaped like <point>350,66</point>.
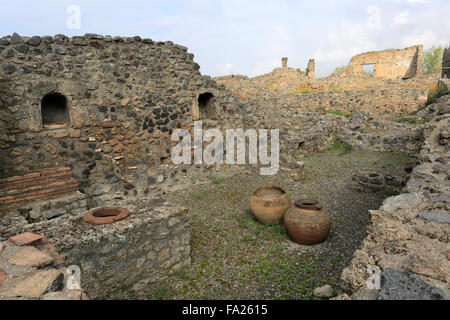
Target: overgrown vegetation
<point>410,119</point>
<point>218,180</point>
<point>436,93</point>
<point>338,113</point>
<point>303,90</point>
<point>341,146</point>
<point>340,69</point>
<point>432,60</point>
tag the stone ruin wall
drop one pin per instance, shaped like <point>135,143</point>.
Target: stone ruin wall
<point>390,64</point>
<point>387,102</point>
<point>446,63</point>
<point>410,231</point>
<point>125,96</point>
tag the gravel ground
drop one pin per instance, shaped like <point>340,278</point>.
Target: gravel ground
<point>236,257</point>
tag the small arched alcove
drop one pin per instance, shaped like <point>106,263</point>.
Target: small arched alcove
<point>54,111</point>
<point>206,106</point>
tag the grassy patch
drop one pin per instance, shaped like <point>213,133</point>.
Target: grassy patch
<point>162,292</point>
<point>199,195</point>
<point>218,180</point>
<point>341,147</point>
<point>436,93</point>
<point>410,120</point>
<point>180,273</point>
<point>338,113</point>
<point>303,90</point>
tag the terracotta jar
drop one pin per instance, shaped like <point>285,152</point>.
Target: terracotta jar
<point>269,204</point>
<point>307,223</point>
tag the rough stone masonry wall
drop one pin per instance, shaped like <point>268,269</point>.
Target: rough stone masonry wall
<point>410,232</point>
<point>386,103</point>
<point>387,99</point>
<point>125,96</point>
<point>390,64</point>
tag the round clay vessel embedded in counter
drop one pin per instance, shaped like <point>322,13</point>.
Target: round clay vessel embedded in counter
<point>104,215</point>
<point>269,203</point>
<point>307,223</point>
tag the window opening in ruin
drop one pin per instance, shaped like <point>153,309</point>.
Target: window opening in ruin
<point>368,69</point>
<point>206,106</point>
<point>54,111</point>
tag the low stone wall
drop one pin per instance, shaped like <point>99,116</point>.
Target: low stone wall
<point>410,233</point>
<point>15,221</point>
<point>125,255</point>
<point>376,102</point>
<point>409,144</point>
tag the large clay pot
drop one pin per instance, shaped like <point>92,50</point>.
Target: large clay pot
<point>269,204</point>
<point>307,223</point>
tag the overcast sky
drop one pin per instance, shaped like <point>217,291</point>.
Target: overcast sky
<point>244,37</point>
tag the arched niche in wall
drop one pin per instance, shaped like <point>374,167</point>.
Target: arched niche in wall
<point>54,111</point>
<point>206,106</point>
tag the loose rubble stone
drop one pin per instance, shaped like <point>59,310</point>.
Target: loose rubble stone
<point>439,217</point>
<point>16,39</point>
<point>402,201</point>
<point>401,285</point>
<point>75,294</point>
<point>324,292</point>
<point>34,286</point>
<point>32,257</point>
<point>34,41</point>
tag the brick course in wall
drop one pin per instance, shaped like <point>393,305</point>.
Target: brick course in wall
<point>19,190</point>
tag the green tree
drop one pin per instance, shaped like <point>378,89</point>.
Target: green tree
<point>432,60</point>
<point>340,69</point>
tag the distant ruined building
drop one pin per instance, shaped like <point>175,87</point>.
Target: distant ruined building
<point>390,64</point>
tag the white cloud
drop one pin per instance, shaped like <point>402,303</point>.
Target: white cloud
<point>374,17</point>
<point>401,18</point>
<point>349,40</point>
<point>227,68</point>
<point>427,38</point>
<point>417,1</point>
<point>265,66</point>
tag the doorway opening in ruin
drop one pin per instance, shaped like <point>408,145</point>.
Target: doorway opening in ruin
<point>368,69</point>
<point>206,106</point>
<point>54,111</point>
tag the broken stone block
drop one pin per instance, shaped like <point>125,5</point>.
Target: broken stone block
<point>406,200</point>
<point>325,291</point>
<point>402,285</point>
<point>76,294</point>
<point>32,257</point>
<point>439,217</point>
<point>37,284</point>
